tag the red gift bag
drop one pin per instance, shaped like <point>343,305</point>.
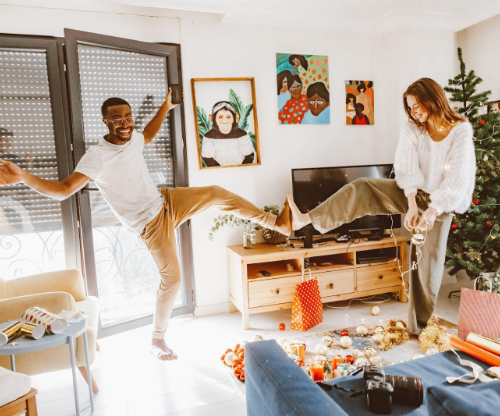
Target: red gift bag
<point>479,313</point>
<point>307,309</point>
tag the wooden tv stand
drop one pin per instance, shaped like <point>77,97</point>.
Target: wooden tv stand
<point>332,264</point>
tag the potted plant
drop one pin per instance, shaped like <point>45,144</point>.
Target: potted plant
<point>270,236</point>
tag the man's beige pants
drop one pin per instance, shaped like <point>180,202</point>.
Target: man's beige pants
<point>179,205</point>
<point>367,196</point>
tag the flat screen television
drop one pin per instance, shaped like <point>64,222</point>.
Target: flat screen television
<point>313,186</point>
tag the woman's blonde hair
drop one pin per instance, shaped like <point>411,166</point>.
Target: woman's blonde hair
<point>430,95</point>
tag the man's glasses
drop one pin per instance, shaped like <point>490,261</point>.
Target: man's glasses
<point>118,122</point>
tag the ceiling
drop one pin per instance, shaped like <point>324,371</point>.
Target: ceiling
<point>363,16</point>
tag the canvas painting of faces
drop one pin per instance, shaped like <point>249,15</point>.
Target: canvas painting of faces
<point>303,88</point>
<point>226,122</point>
<point>359,103</point>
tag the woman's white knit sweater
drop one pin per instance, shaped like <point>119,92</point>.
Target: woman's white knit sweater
<point>446,170</point>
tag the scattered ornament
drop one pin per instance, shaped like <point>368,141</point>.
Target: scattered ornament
<point>282,327</point>
<point>376,360</point>
<point>417,238</point>
<point>377,338</point>
<point>327,339</point>
<point>296,348</point>
<point>229,358</point>
<point>258,338</point>
<point>400,324</point>
<point>361,361</point>
<point>345,341</point>
<point>361,330</point>
<point>358,353</point>
<point>379,329</point>
<point>370,352</point>
<point>375,310</point>
<point>349,359</point>
<point>321,349</point>
<point>345,333</point>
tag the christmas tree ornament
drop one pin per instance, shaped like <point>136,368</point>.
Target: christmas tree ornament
<point>358,353</point>
<point>348,359</point>
<point>375,310</point>
<point>454,225</point>
<point>345,333</point>
<point>361,361</point>
<point>327,339</point>
<point>417,238</point>
<point>379,329</point>
<point>345,341</point>
<point>489,224</point>
<point>321,349</point>
<point>417,356</point>
<point>229,358</point>
<point>258,338</point>
<point>475,201</point>
<point>376,360</point>
<point>282,327</point>
<point>377,338</point>
<point>482,122</point>
<point>432,351</point>
<point>361,330</point>
<point>370,352</point>
<point>400,324</point>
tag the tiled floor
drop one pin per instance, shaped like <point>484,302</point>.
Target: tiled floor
<point>133,383</point>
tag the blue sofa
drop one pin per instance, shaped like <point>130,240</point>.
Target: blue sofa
<point>276,386</point>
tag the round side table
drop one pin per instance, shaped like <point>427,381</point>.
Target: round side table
<point>25,345</point>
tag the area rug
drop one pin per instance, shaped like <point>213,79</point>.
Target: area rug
<point>398,354</point>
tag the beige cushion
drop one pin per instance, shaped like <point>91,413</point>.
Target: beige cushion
<point>13,386</point>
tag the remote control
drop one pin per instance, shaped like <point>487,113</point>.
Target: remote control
<point>265,273</point>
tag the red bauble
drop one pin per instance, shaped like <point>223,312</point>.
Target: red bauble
<point>349,359</point>
<point>482,122</point>
<point>454,225</point>
<point>282,327</point>
<point>475,202</point>
<point>489,224</point>
<point>345,333</point>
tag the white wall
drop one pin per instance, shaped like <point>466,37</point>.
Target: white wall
<point>479,46</point>
<point>211,48</point>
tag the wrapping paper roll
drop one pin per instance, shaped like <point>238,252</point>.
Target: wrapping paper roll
<point>485,343</point>
<point>476,352</point>
<point>11,332</point>
<point>53,324</point>
<point>33,331</point>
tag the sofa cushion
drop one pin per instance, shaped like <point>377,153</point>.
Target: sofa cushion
<point>440,397</point>
<point>276,386</point>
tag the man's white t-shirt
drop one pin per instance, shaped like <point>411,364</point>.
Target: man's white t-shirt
<point>121,174</point>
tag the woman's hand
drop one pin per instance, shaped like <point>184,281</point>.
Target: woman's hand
<point>427,220</point>
<point>10,173</point>
<point>411,217</point>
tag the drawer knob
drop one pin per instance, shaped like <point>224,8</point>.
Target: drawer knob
<point>277,291</point>
<point>330,285</point>
<point>381,276</point>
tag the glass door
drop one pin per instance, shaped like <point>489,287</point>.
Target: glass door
<point>37,234</point>
<point>119,268</point>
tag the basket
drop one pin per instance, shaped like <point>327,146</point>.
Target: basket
<point>273,237</point>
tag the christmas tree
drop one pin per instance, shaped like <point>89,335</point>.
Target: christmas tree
<point>474,240</point>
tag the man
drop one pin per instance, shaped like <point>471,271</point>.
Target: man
<point>118,168</point>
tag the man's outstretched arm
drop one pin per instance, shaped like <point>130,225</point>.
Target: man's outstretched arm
<point>11,174</point>
<point>154,126</point>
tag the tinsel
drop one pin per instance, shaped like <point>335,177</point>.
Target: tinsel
<point>435,336</point>
<point>395,334</point>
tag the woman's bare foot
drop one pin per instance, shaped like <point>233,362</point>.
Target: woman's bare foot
<point>299,220</point>
<point>283,223</point>
<point>161,351</point>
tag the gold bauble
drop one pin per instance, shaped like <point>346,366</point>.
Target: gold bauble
<point>370,352</point>
<point>356,353</point>
<point>327,339</point>
<point>375,310</point>
<point>377,338</point>
<point>345,341</point>
<point>376,360</point>
<point>417,238</point>
<point>378,329</point>
<point>360,361</point>
<point>361,329</point>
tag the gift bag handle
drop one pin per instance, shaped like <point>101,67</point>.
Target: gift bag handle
<point>483,276</point>
<point>303,274</point>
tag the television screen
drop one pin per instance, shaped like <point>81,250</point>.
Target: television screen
<point>313,186</point>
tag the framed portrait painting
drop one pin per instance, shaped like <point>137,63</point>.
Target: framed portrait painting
<point>494,107</point>
<point>359,103</point>
<point>225,115</point>
<point>303,88</point>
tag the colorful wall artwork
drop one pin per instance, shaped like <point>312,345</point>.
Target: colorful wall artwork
<point>303,87</point>
<point>359,103</point>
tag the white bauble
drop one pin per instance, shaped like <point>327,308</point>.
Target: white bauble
<point>345,341</point>
<point>321,349</point>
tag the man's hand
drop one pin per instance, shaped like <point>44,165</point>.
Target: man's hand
<point>427,220</point>
<point>411,217</point>
<point>10,173</point>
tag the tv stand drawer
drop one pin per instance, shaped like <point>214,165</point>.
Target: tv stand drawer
<point>382,275</point>
<point>335,283</point>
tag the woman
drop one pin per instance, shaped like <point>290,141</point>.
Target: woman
<point>296,107</point>
<point>318,100</point>
<point>284,79</point>
<point>350,112</point>
<point>435,172</point>
<point>359,118</point>
<point>365,99</point>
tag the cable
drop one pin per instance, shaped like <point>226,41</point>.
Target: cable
<point>365,299</point>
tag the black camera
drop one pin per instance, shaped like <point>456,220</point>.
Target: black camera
<point>382,389</point>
